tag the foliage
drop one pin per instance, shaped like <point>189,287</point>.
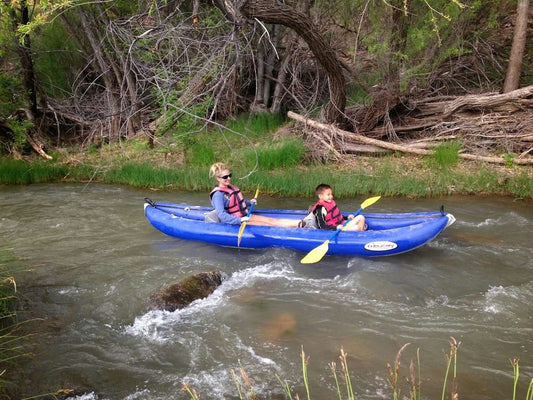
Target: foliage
<point>180,119</point>
<point>447,154</point>
<point>11,95</point>
<point>55,69</point>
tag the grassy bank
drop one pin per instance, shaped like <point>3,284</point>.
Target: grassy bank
<point>409,177</point>
<point>264,151</point>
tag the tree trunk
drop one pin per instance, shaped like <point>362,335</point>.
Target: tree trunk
<point>399,26</point>
<point>259,101</point>
<point>512,77</point>
<point>26,60</point>
<point>105,71</point>
<point>270,61</point>
<point>271,12</point>
<point>291,41</point>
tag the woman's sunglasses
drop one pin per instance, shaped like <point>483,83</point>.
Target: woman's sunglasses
<point>225,176</point>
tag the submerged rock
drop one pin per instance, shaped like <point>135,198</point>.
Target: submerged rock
<point>278,327</point>
<point>183,293</point>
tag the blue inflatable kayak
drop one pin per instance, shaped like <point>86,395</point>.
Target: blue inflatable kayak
<point>387,234</point>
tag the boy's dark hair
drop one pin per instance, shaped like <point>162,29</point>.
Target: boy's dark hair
<point>321,188</point>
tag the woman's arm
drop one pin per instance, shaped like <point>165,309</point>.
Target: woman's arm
<point>218,203</point>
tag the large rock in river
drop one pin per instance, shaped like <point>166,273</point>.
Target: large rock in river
<point>183,293</point>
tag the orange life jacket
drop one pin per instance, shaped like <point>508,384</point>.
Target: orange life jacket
<point>235,204</point>
<point>333,215</point>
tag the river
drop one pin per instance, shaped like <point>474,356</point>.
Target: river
<point>89,260</point>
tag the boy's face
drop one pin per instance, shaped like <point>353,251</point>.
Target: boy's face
<point>326,195</point>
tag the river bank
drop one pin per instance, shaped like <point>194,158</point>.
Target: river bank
<point>397,175</point>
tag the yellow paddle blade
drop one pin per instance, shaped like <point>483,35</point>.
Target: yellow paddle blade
<point>316,254</point>
<point>369,202</point>
<point>241,230</point>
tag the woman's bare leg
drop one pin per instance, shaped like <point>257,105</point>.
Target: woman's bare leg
<point>268,221</point>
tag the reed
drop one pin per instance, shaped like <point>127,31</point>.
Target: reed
<point>516,374</point>
<point>245,388</point>
<point>346,374</point>
<point>529,395</point>
<point>451,357</point>
<point>305,361</point>
<point>11,341</point>
<point>394,373</point>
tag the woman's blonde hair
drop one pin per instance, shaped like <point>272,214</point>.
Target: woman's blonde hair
<point>216,169</point>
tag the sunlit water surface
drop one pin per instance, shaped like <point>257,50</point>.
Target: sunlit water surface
<point>90,260</point>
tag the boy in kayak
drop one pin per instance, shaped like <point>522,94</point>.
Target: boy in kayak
<point>327,214</point>
<point>230,205</point>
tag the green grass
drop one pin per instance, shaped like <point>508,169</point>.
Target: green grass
<point>283,154</point>
<point>276,162</point>
<point>384,177</point>
<point>447,154</point>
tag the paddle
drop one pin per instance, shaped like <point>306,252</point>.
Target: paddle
<point>318,252</point>
<point>243,225</point>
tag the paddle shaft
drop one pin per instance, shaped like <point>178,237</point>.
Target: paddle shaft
<point>243,225</point>
<point>334,235</point>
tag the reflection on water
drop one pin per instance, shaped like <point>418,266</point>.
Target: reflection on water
<point>95,260</point>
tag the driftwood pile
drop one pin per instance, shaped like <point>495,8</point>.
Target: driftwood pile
<point>493,128</point>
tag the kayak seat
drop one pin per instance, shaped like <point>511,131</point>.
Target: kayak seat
<point>211,216</point>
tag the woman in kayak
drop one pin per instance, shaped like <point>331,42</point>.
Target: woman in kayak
<point>230,205</point>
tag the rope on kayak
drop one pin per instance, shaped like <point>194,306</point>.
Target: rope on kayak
<point>146,199</point>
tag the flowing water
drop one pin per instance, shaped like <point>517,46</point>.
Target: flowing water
<point>89,261</point>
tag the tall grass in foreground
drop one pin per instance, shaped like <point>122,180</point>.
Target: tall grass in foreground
<point>11,341</point>
<point>246,391</point>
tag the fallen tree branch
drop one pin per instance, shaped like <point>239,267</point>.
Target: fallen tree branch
<point>398,147</point>
<point>487,101</point>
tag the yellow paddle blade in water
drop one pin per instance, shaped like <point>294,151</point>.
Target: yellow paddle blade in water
<point>241,231</point>
<point>316,254</point>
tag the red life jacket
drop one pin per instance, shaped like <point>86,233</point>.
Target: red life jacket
<point>333,215</point>
<point>235,200</point>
